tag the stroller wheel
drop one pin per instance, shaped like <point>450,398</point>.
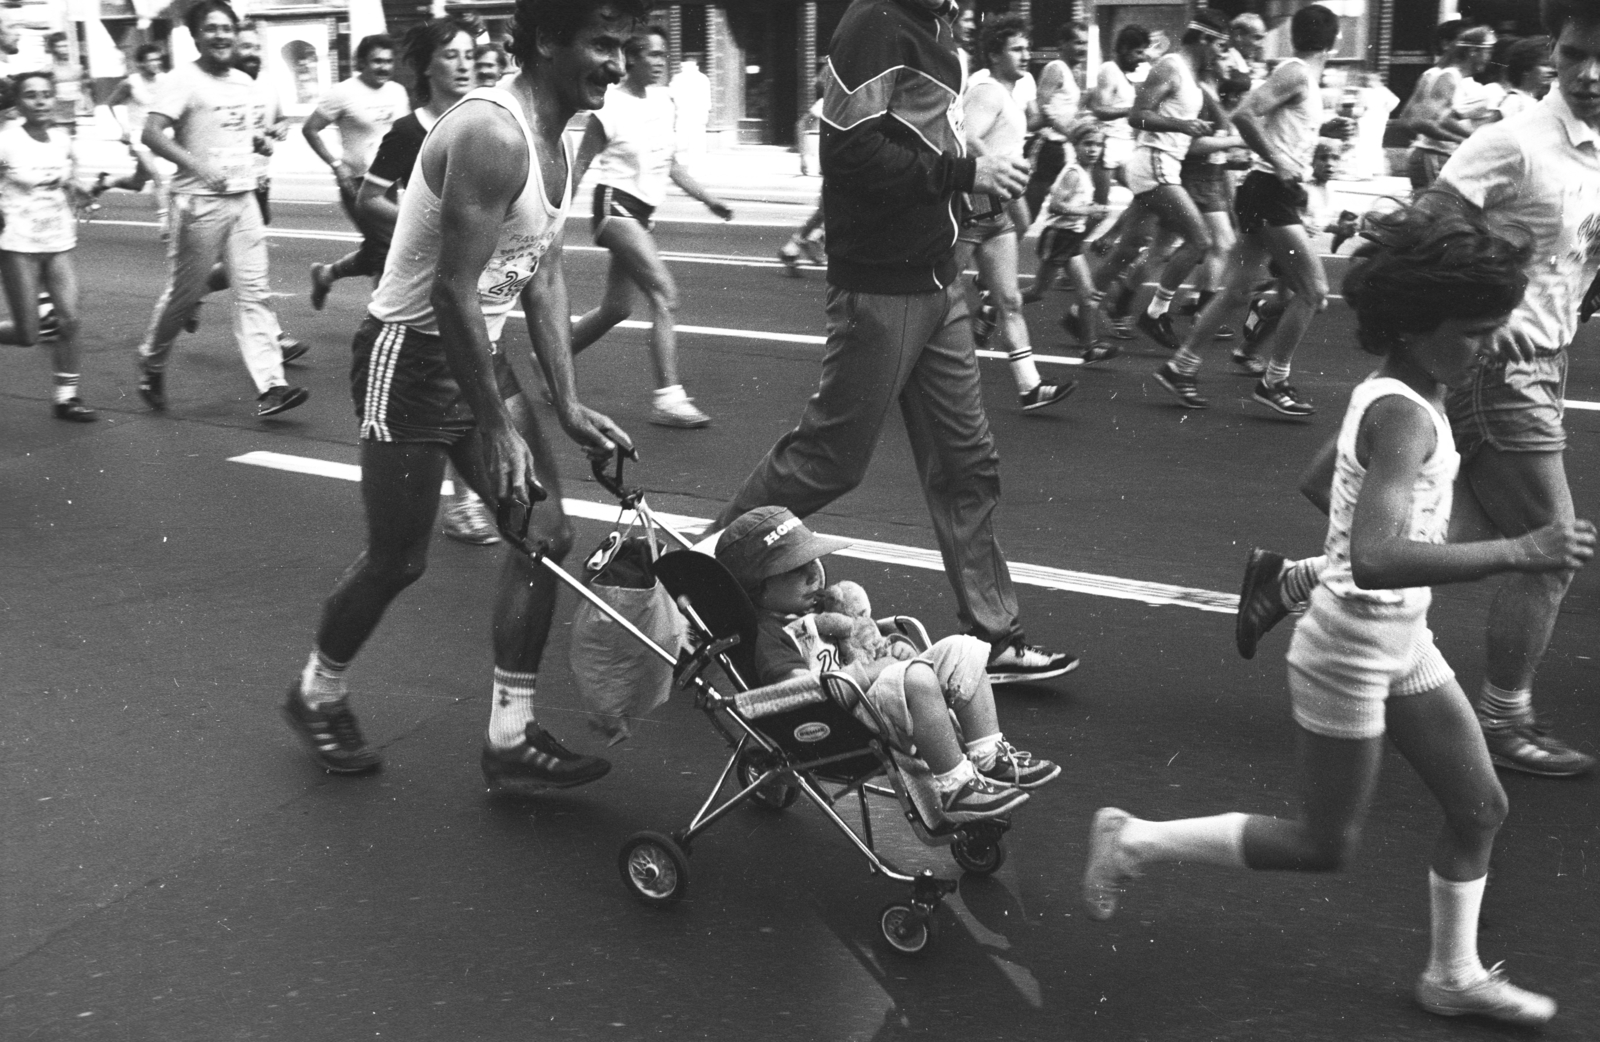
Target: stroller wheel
<point>907,930</point>
<point>775,795</point>
<point>654,868</point>
<point>977,852</point>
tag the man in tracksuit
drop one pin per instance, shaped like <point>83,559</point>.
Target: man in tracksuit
<point>894,168</point>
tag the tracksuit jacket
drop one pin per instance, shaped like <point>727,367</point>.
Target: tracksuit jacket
<point>894,164</point>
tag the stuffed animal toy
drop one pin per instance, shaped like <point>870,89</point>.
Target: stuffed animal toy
<point>844,619</point>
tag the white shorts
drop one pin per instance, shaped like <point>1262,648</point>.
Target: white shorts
<point>1150,168</point>
<point>1348,657</point>
<point>960,662</point>
<point>1117,152</point>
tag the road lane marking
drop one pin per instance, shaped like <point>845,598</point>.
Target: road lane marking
<point>1043,576</point>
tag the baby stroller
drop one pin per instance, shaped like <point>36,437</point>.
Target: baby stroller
<point>792,739</point>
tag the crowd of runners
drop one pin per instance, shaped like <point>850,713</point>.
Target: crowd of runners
<point>1448,467</point>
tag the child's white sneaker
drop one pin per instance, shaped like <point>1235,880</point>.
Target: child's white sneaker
<point>1492,996</point>
<point>1109,867</point>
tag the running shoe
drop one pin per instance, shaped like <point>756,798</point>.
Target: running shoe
<point>330,734</point>
<point>1013,766</point>
<point>280,399</point>
<point>985,319</point>
<point>1100,351</point>
<point>74,411</point>
<point>1120,327</point>
<point>981,798</point>
<point>467,520</point>
<point>1158,328</point>
<point>321,283</point>
<point>537,763</point>
<point>153,388</point>
<point>292,349</point>
<point>1108,867</point>
<point>1247,361</point>
<point>1187,388</point>
<point>1282,398</point>
<point>1261,604</point>
<point>1018,662</point>
<point>681,413</point>
<point>1493,997</point>
<point>1526,745</point>
<point>789,254</point>
<point>1046,394</point>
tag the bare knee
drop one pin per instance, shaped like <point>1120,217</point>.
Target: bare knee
<point>664,299</point>
<point>394,572</point>
<point>1481,819</point>
<point>1009,298</point>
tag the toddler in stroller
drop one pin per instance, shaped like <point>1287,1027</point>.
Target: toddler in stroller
<point>977,773</point>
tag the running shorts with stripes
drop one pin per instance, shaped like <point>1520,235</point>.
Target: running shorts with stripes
<point>614,202</point>
<point>1150,168</point>
<point>404,389</point>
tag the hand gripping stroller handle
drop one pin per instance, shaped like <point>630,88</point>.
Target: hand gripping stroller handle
<point>612,483</point>
<point>776,698</point>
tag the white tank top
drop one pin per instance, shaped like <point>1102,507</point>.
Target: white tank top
<point>34,175</point>
<point>531,225</point>
<point>1183,103</point>
<point>1293,129</point>
<point>1430,496</point>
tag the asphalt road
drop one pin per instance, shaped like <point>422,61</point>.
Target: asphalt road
<point>174,868</point>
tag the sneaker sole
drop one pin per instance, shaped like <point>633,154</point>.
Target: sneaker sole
<point>1161,378</point>
<point>292,400</point>
<point>1001,677</point>
<point>961,817</point>
<point>1538,771</point>
<point>295,353</point>
<point>1503,1015</point>
<point>1101,901</point>
<point>1279,409</point>
<point>1027,785</point>
<point>1062,394</point>
<point>316,753</point>
<point>531,787</point>
<point>473,538</point>
<point>682,425</point>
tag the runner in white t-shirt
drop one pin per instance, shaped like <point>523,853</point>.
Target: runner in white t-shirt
<point>134,96</point>
<point>634,141</point>
<point>362,109</point>
<point>39,194</point>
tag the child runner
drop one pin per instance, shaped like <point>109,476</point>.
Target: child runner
<point>1068,211</point>
<point>39,194</point>
<point>778,562</point>
<point>1427,297</point>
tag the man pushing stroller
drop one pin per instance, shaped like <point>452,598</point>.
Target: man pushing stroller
<point>778,563</point>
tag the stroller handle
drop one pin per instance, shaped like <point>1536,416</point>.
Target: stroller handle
<point>612,483</point>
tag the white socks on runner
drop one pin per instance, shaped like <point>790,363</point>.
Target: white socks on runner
<point>671,395</point>
<point>322,681</point>
<point>1277,373</point>
<point>1023,369</point>
<point>1217,840</point>
<point>1497,705</point>
<point>1298,579</point>
<point>1160,302</point>
<point>66,387</point>
<point>1453,955</point>
<point>512,709</point>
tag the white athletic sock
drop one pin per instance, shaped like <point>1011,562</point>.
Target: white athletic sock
<point>1453,955</point>
<point>322,681</point>
<point>983,751</point>
<point>1023,370</point>
<point>1160,302</point>
<point>1217,840</point>
<point>1496,705</point>
<point>512,709</point>
<point>66,387</point>
<point>670,395</point>
<point>1277,373</point>
<point>1298,579</point>
<point>955,777</point>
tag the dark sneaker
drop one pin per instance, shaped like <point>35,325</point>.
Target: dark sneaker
<point>1109,867</point>
<point>153,388</point>
<point>75,411</point>
<point>1019,662</point>
<point>1072,323</point>
<point>1282,398</point>
<point>981,798</point>
<point>1013,766</point>
<point>1493,997</point>
<point>1187,388</point>
<point>1247,361</point>
<point>467,520</point>
<point>330,734</point>
<point>321,283</point>
<point>789,255</point>
<point>1261,319</point>
<point>1120,327</point>
<point>280,399</point>
<point>1261,604</point>
<point>1046,394</point>
<point>1526,746</point>
<point>1159,329</point>
<point>1100,352</point>
<point>537,763</point>
<point>985,318</point>
<point>292,349</point>
<point>1224,333</point>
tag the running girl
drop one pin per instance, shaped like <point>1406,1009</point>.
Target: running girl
<point>39,197</point>
<point>1428,292</point>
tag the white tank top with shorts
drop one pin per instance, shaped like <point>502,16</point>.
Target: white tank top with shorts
<point>1293,130</point>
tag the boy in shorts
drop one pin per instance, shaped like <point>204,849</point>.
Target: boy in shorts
<point>778,562</point>
<point>1068,211</point>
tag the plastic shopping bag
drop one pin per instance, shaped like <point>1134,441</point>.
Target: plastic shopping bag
<point>619,678</point>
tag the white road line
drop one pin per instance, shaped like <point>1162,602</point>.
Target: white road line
<point>1155,594</point>
<point>704,258</point>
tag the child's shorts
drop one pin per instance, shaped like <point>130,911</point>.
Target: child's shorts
<point>1059,245</point>
<point>960,662</point>
<point>1348,657</point>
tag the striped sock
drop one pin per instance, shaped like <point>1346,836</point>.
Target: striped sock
<point>66,387</point>
<point>1298,579</point>
<point>1186,362</point>
<point>512,709</point>
<point>1160,302</point>
<point>1496,705</point>
<point>322,680</point>
<point>1023,369</point>
<point>1277,373</point>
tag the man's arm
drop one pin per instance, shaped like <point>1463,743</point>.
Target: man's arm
<point>157,140</point>
<point>1161,84</point>
<point>376,205</point>
<point>983,105</point>
<point>1431,111</point>
<point>1053,81</point>
<point>1100,98</point>
<point>685,180</point>
<point>1286,86</point>
<point>314,126</point>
